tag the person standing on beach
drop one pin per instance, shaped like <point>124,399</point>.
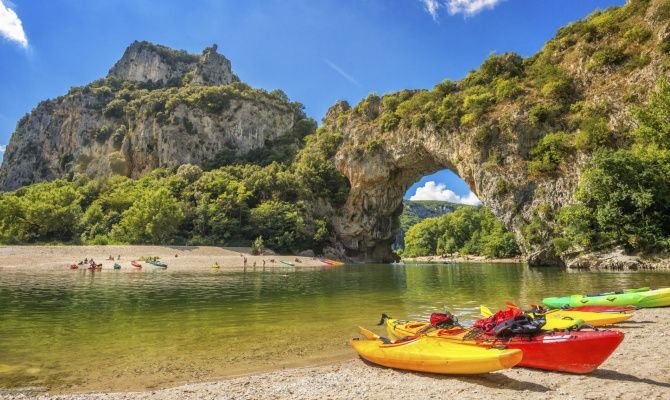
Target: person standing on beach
<point>245,262</point>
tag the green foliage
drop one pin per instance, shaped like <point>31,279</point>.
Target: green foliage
<point>115,108</point>
<point>281,222</point>
<point>608,57</point>
<point>548,154</point>
<point>119,135</point>
<point>154,218</point>
<point>44,211</point>
<point>508,89</point>
<point>233,204</point>
<point>624,196</point>
<point>102,134</point>
<point>257,246</point>
<point>637,34</point>
<point>388,122</point>
<point>477,100</point>
<point>543,113</point>
<point>468,230</point>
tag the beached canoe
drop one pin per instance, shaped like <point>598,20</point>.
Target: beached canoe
<point>136,264</point>
<point>290,264</point>
<point>331,263</point>
<point>642,298</point>
<point>157,263</point>
<point>428,354</point>
<point>567,351</point>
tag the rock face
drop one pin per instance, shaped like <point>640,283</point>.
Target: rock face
<point>157,108</point>
<point>147,62</point>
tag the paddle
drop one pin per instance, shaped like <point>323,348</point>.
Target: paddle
<point>485,311</point>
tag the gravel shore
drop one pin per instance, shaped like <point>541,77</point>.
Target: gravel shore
<point>639,369</point>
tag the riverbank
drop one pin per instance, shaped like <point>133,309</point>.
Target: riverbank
<point>462,259</point>
<point>638,369</point>
<point>177,257</point>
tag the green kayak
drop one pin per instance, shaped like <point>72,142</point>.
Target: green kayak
<point>642,297</point>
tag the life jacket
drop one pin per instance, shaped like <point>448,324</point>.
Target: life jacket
<point>443,320</point>
<point>509,322</point>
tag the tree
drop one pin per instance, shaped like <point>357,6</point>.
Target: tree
<point>154,218</point>
<point>280,222</point>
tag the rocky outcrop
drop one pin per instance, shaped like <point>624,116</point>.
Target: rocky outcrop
<point>616,260</point>
<point>148,62</point>
<point>157,108</point>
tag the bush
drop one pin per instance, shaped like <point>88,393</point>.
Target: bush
<point>637,34</point>
<point>115,108</point>
<point>609,57</point>
<point>119,136</point>
<point>508,89</point>
<point>102,134</point>
<point>548,154</point>
<point>257,246</point>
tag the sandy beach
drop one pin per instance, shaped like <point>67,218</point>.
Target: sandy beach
<point>639,369</point>
<point>177,257</point>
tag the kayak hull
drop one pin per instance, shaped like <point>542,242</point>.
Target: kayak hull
<point>576,352</point>
<point>426,354</point>
<point>604,309</point>
<point>591,318</point>
<point>642,299</point>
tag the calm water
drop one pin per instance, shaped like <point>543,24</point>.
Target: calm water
<point>74,330</point>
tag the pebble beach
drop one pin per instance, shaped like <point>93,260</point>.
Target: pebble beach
<point>639,369</point>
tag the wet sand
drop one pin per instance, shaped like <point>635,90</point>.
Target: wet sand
<point>639,369</point>
<point>182,258</point>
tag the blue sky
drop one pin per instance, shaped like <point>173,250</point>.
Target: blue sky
<point>316,51</point>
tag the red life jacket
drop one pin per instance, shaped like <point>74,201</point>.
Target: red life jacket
<point>488,324</point>
<point>440,320</point>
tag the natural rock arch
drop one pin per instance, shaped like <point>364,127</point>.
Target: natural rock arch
<point>382,165</point>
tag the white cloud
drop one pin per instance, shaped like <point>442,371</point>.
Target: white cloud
<point>11,27</point>
<point>469,7</point>
<point>432,6</point>
<point>2,150</point>
<point>465,7</point>
<point>439,191</point>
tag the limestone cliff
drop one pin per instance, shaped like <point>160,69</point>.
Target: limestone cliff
<point>157,108</point>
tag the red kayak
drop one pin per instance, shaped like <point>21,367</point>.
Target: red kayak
<point>578,352</point>
<point>608,309</point>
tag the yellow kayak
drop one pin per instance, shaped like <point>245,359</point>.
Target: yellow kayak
<point>429,354</point>
<point>565,319</point>
<point>557,318</point>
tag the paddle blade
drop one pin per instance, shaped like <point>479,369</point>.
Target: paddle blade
<point>368,334</point>
<point>485,311</point>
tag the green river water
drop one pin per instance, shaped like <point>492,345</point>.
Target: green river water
<point>118,330</point>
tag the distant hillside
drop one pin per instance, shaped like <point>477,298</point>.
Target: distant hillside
<point>418,210</point>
